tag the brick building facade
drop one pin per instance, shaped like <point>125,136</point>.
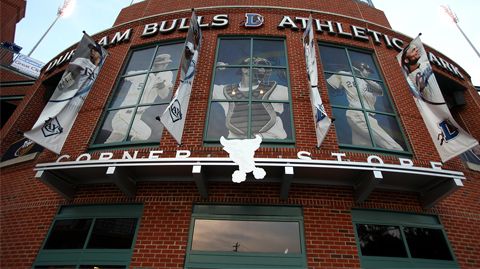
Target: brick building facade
<point>151,212</point>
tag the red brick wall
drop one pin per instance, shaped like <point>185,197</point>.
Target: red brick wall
<point>163,231</point>
<point>28,206</point>
<point>343,7</point>
<point>8,75</point>
<point>11,12</point>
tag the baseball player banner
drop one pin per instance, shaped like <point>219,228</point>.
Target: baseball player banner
<point>173,118</point>
<point>449,138</point>
<point>57,118</point>
<point>322,121</point>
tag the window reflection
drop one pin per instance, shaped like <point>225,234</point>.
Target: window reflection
<point>380,240</point>
<point>246,236</point>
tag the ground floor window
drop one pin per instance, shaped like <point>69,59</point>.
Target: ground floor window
<point>90,237</point>
<point>401,240</point>
<point>226,236</point>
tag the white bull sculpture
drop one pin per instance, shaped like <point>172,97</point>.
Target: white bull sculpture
<point>242,151</point>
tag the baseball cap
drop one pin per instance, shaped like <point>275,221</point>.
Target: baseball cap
<point>362,65</point>
<point>162,58</point>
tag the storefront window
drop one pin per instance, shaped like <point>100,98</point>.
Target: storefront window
<point>90,237</point>
<point>401,240</point>
<point>144,90</point>
<point>248,235</point>
<point>364,115</point>
<point>250,93</point>
<point>228,236</point>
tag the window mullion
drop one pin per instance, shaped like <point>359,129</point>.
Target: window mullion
<point>250,89</point>
<point>89,234</point>
<point>135,107</point>
<point>404,239</point>
<point>360,97</point>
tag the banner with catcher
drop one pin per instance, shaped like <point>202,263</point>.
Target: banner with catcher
<point>322,121</point>
<point>57,118</point>
<point>173,118</point>
<point>449,138</point>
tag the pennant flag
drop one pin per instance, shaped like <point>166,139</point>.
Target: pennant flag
<point>173,118</point>
<point>57,118</point>
<point>449,138</point>
<point>322,121</point>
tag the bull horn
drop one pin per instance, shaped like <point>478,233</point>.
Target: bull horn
<point>223,141</point>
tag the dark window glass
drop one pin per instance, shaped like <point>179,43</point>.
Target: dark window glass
<point>380,240</point>
<point>140,61</point>
<point>427,243</point>
<point>334,59</point>
<point>363,112</point>
<point>68,234</point>
<point>390,126</point>
<point>271,50</point>
<point>216,120</point>
<point>365,59</point>
<point>252,85</point>
<point>112,233</point>
<point>102,267</point>
<point>55,267</point>
<point>246,236</point>
<point>241,47</point>
<point>144,90</point>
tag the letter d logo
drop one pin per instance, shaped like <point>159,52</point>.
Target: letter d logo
<point>253,20</point>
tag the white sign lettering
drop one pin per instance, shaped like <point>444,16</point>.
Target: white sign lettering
<point>256,20</point>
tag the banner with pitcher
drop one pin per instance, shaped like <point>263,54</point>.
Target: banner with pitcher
<point>57,118</point>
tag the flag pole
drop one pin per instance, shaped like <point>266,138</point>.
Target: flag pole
<point>455,20</point>
<point>60,13</point>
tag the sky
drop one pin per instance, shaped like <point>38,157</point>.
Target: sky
<point>409,17</point>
